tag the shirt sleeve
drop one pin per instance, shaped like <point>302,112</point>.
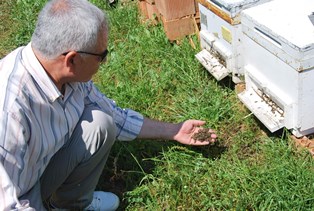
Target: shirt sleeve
<point>8,197</point>
<point>8,191</point>
<point>128,121</point>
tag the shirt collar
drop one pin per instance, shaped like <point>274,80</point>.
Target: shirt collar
<point>37,71</point>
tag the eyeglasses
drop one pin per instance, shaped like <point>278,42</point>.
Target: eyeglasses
<point>102,56</point>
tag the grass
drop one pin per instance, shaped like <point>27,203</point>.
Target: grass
<point>184,179</point>
<point>248,169</point>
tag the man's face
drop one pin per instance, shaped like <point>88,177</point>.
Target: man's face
<point>86,66</point>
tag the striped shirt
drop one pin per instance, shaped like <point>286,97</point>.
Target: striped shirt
<point>36,120</point>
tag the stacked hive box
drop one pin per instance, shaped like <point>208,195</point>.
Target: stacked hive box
<point>221,37</point>
<point>179,17</point>
<point>148,10</point>
<point>278,61</point>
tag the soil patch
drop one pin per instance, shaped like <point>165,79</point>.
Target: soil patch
<point>203,134</point>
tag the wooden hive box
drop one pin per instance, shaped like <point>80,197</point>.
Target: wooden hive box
<point>175,9</point>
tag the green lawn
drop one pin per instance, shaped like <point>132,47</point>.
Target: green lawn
<point>248,169</point>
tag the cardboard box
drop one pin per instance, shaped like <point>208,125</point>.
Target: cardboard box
<point>175,9</point>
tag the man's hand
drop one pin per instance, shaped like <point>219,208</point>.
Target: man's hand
<point>187,133</point>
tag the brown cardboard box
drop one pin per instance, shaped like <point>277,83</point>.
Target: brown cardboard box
<point>174,9</point>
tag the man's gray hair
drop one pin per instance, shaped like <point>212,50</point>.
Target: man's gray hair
<point>65,25</point>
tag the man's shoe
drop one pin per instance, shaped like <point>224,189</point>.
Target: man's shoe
<point>104,201</point>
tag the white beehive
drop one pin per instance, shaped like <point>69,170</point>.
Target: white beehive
<point>278,60</point>
<point>221,36</point>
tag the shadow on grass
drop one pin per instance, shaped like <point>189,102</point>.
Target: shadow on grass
<point>227,83</point>
<point>281,133</point>
<point>213,151</point>
<point>127,164</point>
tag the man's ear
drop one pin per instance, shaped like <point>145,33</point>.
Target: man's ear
<point>70,59</point>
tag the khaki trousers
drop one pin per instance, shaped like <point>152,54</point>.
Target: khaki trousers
<point>73,172</point>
